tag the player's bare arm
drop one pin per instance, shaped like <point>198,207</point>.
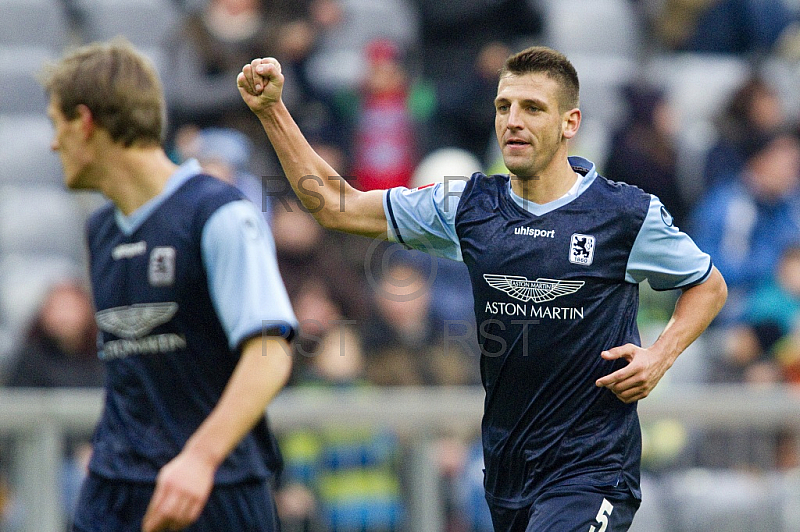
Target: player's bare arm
<point>695,309</point>
<point>184,484</point>
<point>333,202</point>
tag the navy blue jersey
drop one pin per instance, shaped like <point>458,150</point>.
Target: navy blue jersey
<point>554,286</point>
<point>169,335</point>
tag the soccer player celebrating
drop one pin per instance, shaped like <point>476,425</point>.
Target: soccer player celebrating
<point>555,253</point>
<point>192,312</point>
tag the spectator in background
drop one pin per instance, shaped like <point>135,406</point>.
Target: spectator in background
<point>340,479</point>
<point>60,348</point>
<point>643,150</point>
<point>755,108</point>
<point>404,341</point>
<point>763,346</point>
<point>308,252</point>
<point>746,224</point>
<point>344,30</point>
<point>460,41</point>
<point>319,315</point>
<point>209,48</point>
<point>755,27</point>
<point>741,27</point>
<point>385,151</point>
<point>673,21</point>
<point>463,119</point>
<point>225,153</point>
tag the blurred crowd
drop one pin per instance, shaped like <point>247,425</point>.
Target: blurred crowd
<point>400,93</point>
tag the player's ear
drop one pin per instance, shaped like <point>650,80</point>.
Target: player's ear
<point>571,121</point>
<point>86,118</point>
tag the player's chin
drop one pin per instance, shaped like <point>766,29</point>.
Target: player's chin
<point>73,182</point>
<point>520,167</point>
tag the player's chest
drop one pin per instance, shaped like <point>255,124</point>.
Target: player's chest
<point>143,268</point>
<point>558,245</point>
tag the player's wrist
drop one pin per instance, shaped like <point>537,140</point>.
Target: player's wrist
<point>202,453</point>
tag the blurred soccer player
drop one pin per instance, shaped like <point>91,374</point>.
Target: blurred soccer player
<point>190,305</point>
<point>555,254</point>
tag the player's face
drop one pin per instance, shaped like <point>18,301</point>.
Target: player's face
<point>67,141</point>
<point>528,122</point>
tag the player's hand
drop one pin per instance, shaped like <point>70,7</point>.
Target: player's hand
<point>638,378</point>
<point>261,83</point>
<point>182,489</point>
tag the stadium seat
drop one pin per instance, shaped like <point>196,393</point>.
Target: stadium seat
<point>145,23</point>
<point>724,500</point>
<point>340,61</point>
<point>697,86</point>
<point>19,65</point>
<point>784,74</point>
<point>652,515</point>
<point>34,22</point>
<point>8,342</point>
<point>790,487</point>
<point>25,154</point>
<point>592,26</point>
<point>40,219</point>
<point>602,76</point>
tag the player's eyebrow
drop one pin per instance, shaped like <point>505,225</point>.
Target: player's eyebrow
<point>526,101</point>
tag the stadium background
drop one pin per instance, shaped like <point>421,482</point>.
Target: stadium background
<point>721,442</point>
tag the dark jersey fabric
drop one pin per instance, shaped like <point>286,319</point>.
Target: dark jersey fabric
<point>166,352</point>
<point>550,295</point>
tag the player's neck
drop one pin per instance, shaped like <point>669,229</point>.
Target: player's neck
<point>135,176</point>
<point>548,185</point>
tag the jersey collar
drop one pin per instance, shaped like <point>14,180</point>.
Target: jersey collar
<point>587,173</point>
<point>129,224</point>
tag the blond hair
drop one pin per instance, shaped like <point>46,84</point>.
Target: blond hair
<point>118,84</point>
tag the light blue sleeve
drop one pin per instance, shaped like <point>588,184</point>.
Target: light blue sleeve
<point>424,218</point>
<point>245,284</point>
<point>664,255</point>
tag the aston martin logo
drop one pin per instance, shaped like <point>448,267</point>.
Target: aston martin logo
<point>537,291</point>
<point>135,321</point>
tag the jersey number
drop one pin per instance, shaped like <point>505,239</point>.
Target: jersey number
<point>602,517</point>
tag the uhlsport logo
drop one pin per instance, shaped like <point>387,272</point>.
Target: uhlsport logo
<point>535,233</point>
<point>538,291</point>
<point>581,249</point>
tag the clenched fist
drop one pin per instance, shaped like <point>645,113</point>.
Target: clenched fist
<point>261,83</point>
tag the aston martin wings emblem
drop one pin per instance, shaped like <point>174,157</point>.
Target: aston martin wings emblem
<point>135,321</point>
<point>537,291</point>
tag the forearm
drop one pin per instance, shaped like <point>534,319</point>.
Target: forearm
<point>696,308</point>
<point>261,373</point>
<point>299,160</point>
<point>333,202</point>
<point>694,311</point>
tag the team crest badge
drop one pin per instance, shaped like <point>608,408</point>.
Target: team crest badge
<point>581,249</point>
<point>161,269</point>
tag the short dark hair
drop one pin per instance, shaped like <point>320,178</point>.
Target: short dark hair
<point>118,84</point>
<point>541,59</point>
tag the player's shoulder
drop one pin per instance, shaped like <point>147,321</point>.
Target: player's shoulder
<point>622,193</point>
<point>203,186</point>
<point>483,183</point>
<point>203,195</point>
